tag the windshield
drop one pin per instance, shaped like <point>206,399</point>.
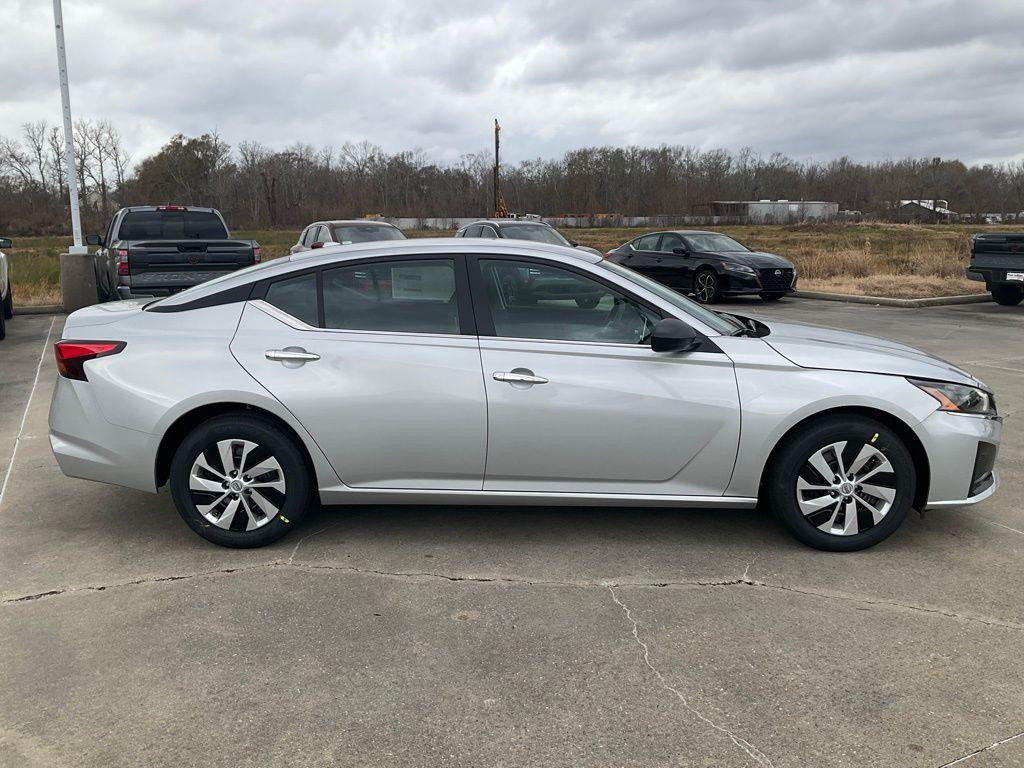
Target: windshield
<point>171,225</point>
<point>714,243</point>
<point>365,233</point>
<point>720,323</point>
<point>538,233</point>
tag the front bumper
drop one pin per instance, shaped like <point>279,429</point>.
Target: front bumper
<point>738,284</point>
<point>961,451</point>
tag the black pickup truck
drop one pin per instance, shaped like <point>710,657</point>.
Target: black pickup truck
<point>998,260</point>
<point>157,250</point>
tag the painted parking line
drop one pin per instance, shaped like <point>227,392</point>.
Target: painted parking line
<point>24,415</point>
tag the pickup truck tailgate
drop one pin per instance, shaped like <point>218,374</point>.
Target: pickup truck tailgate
<point>998,253</point>
<point>175,264</point>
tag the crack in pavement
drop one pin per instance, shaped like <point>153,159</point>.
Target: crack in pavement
<point>989,748</point>
<point>742,581</point>
<point>753,752</point>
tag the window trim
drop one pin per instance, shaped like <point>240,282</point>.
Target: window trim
<point>463,300</point>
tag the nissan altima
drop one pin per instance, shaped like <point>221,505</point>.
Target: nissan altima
<point>436,371</point>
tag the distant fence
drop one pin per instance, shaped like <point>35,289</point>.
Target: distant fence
<point>450,223</point>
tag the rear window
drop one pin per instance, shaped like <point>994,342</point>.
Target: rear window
<point>365,234</point>
<point>172,225</point>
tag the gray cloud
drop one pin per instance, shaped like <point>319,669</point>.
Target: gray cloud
<point>870,79</point>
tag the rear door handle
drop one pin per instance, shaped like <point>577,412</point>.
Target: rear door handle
<point>291,355</point>
<point>519,378</point>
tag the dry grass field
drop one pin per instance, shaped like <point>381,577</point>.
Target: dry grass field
<point>897,260</point>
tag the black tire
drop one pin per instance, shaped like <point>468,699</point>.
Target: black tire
<point>587,302</point>
<point>793,462</point>
<point>3,327</point>
<point>771,296</point>
<point>707,287</point>
<point>1007,295</point>
<point>8,311</point>
<point>291,506</point>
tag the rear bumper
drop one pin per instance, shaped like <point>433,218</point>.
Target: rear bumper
<point>88,446</point>
<point>993,275</point>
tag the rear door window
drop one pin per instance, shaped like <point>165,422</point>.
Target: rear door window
<point>647,242</point>
<point>409,296</point>
<point>296,296</point>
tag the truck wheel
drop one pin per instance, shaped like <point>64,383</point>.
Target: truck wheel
<point>1007,295</point>
<point>8,310</point>
<point>3,327</point>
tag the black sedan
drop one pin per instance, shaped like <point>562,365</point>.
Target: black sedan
<point>709,265</point>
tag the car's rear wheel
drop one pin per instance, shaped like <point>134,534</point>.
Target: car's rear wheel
<point>707,287</point>
<point>240,481</point>
<point>842,483</point>
<point>773,296</point>
<point>1007,295</point>
<point>9,301</point>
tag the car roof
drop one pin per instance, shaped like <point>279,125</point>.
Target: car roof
<point>171,206</point>
<point>341,254</point>
<point>356,223</point>
<point>502,222</point>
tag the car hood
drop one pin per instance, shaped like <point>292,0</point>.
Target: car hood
<point>811,346</point>
<point>758,259</point>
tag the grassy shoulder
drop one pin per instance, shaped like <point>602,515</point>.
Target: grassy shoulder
<point>895,260</point>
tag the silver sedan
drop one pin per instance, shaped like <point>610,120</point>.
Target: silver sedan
<point>464,371</point>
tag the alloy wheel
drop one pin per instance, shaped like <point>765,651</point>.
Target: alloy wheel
<point>705,287</point>
<point>846,488</point>
<point>237,476</point>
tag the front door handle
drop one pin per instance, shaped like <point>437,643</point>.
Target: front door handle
<point>291,355</point>
<point>515,377</point>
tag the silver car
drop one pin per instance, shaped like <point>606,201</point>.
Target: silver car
<point>466,371</point>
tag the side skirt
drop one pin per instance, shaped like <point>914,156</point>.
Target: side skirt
<point>344,495</point>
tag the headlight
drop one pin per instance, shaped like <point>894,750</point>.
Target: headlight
<point>958,398</point>
<point>743,269</point>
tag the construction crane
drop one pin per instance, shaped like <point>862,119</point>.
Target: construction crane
<point>500,209</point>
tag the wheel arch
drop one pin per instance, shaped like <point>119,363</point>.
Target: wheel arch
<point>189,420</point>
<point>918,454</point>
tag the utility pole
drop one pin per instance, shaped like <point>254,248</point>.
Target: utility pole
<point>69,141</point>
<point>500,209</point>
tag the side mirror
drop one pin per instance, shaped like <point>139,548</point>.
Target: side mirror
<point>94,240</point>
<point>5,242</point>
<point>317,245</point>
<point>574,243</point>
<point>672,335</point>
<point>680,251</point>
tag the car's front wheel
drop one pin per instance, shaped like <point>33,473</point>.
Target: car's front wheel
<point>239,481</point>
<point>842,483</point>
<point>707,287</point>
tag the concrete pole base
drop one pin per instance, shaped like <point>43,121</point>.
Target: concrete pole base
<point>77,281</point>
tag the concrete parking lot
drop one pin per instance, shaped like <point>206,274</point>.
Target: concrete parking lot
<point>429,636</point>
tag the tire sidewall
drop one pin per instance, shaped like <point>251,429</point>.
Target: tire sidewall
<point>794,455</point>
<point>298,495</point>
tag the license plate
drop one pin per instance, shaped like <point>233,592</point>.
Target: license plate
<point>1015,276</point>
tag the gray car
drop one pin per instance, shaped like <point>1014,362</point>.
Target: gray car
<point>520,229</point>
<point>321,234</point>
<point>420,372</point>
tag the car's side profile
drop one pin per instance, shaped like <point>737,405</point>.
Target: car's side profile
<point>421,372</point>
<point>320,234</point>
<point>532,230</point>
<point>6,291</point>
<point>709,265</point>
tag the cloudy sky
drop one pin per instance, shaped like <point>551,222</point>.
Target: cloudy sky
<point>871,79</point>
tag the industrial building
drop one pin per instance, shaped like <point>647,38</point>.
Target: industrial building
<point>929,211</point>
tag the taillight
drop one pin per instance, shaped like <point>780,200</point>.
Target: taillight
<point>121,254</point>
<point>257,254</point>
<point>72,355</point>
<point>171,208</point>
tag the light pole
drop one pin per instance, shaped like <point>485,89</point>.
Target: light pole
<point>69,141</point>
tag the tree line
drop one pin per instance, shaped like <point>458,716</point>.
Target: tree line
<point>256,186</point>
